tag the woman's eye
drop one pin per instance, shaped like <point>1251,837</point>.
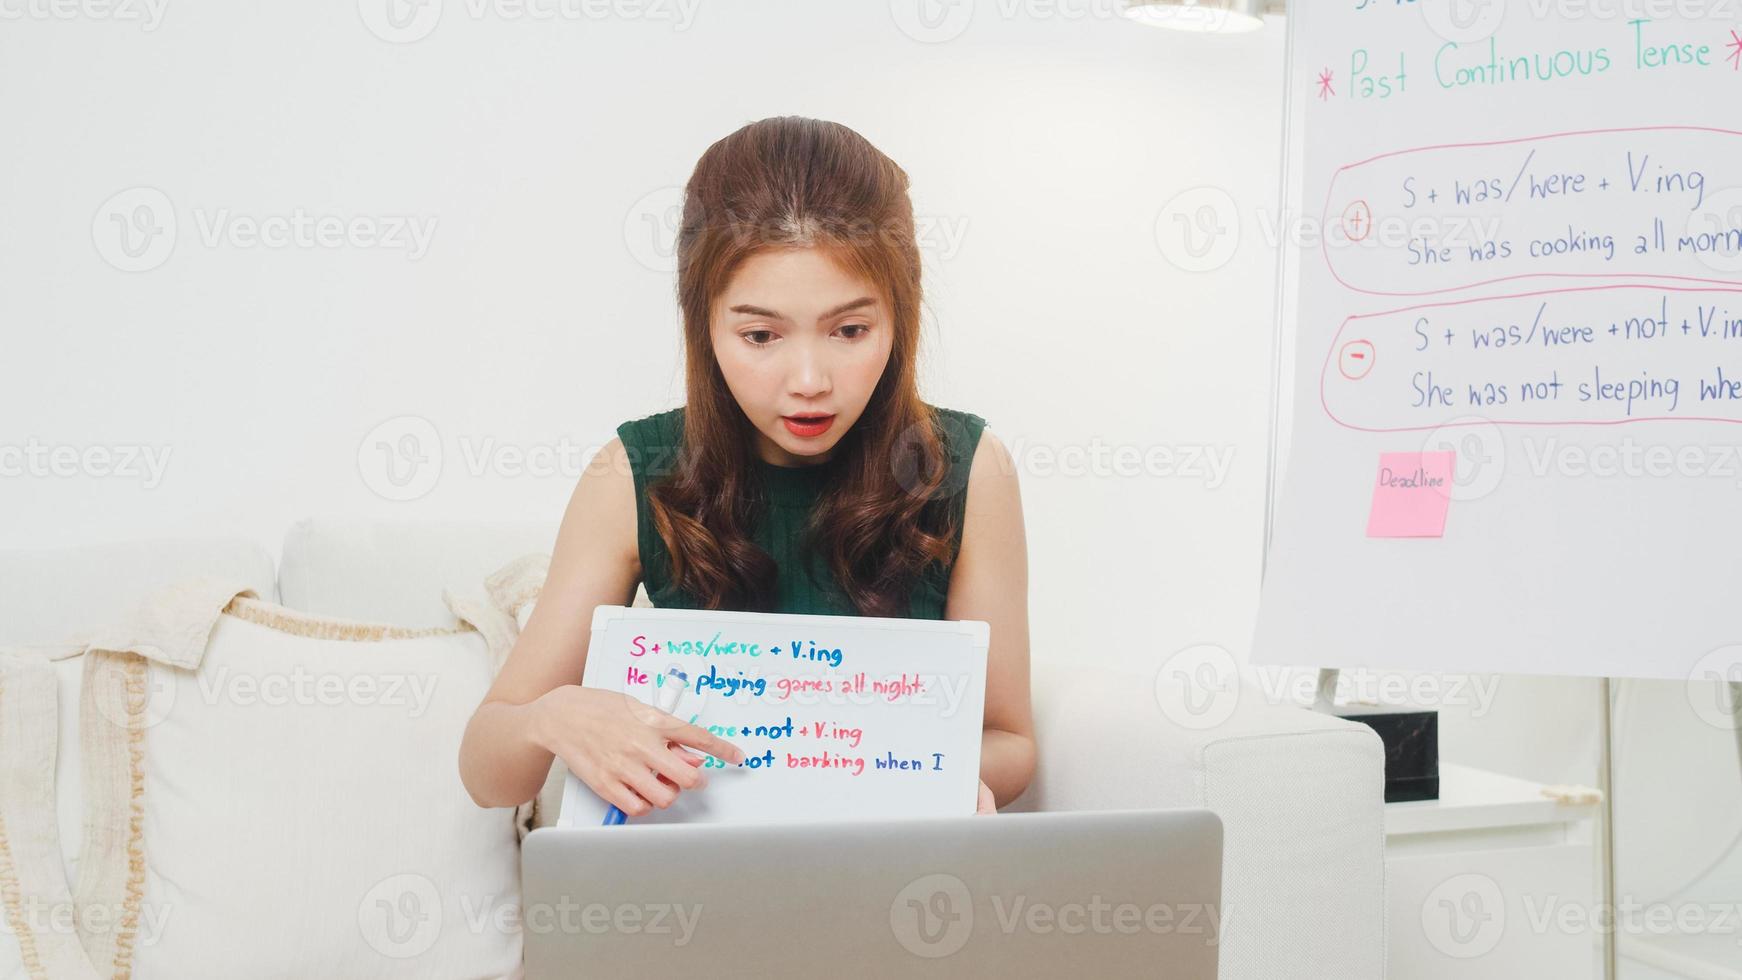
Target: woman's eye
<point>758,338</point>
<point>861,327</point>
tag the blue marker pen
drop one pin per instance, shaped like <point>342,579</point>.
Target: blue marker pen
<point>676,681</point>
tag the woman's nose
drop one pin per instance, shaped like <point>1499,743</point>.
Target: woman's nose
<point>810,375</point>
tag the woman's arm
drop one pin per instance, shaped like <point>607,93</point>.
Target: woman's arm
<point>505,755</point>
<point>990,583</point>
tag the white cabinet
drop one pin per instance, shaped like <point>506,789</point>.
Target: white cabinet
<point>1493,880</point>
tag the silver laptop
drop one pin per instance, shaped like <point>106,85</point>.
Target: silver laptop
<point>1120,893</point>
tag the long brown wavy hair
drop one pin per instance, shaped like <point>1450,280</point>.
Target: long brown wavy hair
<point>794,182</point>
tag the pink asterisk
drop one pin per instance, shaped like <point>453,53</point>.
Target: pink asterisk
<point>1325,90</point>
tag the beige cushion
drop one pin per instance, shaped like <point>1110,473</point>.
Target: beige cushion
<point>35,900</point>
<point>273,794</point>
<point>107,580</point>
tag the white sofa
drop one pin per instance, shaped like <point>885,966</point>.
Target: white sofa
<point>1299,793</point>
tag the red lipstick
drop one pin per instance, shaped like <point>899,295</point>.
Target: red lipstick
<point>808,425</point>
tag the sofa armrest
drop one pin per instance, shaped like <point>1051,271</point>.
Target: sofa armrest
<point>1300,794</point>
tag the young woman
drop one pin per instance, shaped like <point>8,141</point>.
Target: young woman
<point>803,475</point>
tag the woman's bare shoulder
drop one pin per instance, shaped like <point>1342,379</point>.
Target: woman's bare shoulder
<point>600,520</point>
<point>994,504</point>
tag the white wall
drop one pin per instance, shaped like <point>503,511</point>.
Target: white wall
<point>1043,149</point>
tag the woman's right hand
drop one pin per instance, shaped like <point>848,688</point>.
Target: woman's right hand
<point>626,751</point>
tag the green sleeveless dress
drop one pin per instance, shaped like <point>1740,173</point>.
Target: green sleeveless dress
<point>652,444</point>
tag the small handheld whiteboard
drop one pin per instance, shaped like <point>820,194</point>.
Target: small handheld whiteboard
<point>839,717</point>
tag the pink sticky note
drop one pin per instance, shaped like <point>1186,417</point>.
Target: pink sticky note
<point>1410,495</point>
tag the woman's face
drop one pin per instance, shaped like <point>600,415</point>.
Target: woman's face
<point>796,335</point>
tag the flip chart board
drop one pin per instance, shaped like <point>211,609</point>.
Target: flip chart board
<point>1519,242</point>
<point>840,717</point>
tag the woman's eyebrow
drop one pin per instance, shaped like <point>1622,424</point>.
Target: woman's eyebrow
<point>751,310</point>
